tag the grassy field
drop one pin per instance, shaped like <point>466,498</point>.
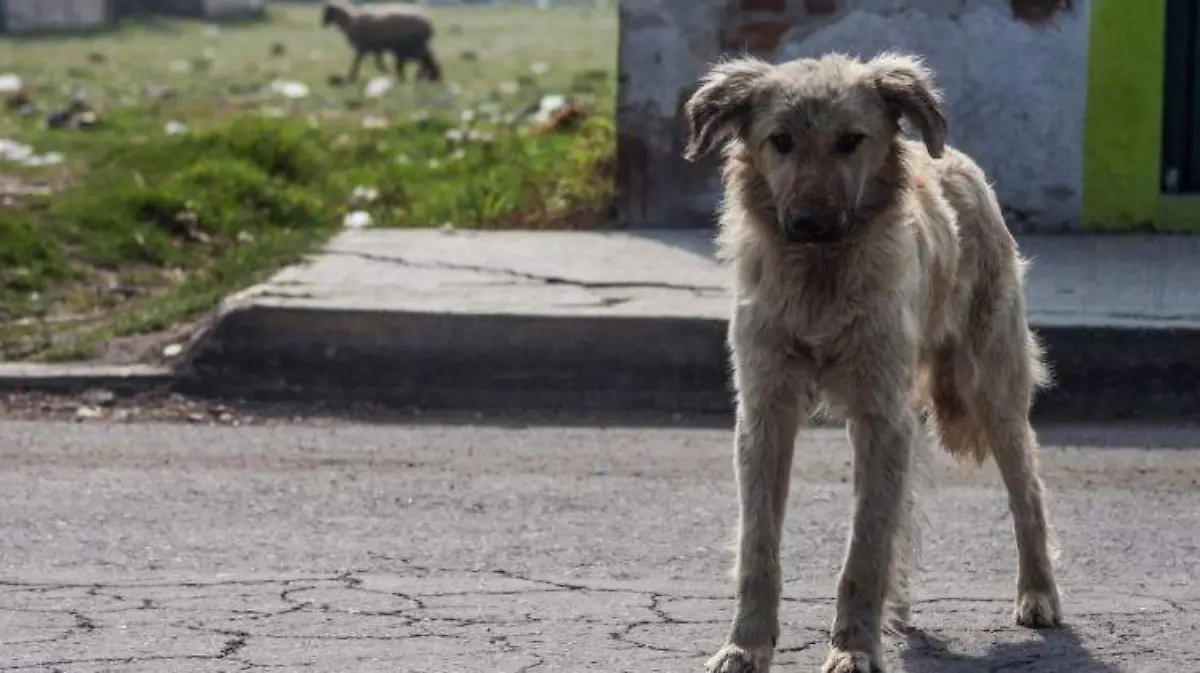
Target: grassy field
<point>221,153</point>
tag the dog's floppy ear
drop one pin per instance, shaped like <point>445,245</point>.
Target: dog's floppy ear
<point>907,88</point>
<point>722,104</point>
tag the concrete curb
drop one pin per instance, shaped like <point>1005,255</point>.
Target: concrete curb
<point>508,362</point>
<point>73,378</point>
<point>462,361</point>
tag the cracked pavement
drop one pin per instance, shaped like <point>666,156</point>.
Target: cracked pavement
<point>505,547</point>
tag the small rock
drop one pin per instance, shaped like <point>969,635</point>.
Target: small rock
<point>85,412</point>
<point>174,128</point>
<point>98,397</point>
<point>195,418</point>
<point>172,350</point>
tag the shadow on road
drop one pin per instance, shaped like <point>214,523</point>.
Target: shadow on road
<point>1057,650</point>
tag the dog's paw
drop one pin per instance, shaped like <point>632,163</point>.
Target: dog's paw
<point>734,659</point>
<point>1038,609</point>
<point>845,661</point>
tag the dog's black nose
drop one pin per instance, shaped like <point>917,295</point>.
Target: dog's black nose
<point>804,225</point>
<point>807,229</point>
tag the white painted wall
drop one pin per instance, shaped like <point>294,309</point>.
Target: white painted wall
<point>23,16</point>
<point>1015,95</point>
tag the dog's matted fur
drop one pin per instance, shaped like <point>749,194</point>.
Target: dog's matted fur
<point>876,275</point>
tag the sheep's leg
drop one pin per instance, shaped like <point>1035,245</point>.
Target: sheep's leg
<point>429,65</point>
<point>358,58</point>
<point>401,61</point>
<point>379,62</point>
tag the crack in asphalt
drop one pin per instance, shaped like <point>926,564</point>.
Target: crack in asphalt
<point>526,276</point>
<point>436,603</point>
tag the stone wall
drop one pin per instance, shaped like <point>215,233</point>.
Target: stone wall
<point>1015,92</point>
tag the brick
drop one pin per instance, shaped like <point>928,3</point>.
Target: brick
<point>758,36</point>
<point>764,5</point>
<point>821,7</point>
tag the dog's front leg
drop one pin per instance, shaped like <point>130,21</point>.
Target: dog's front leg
<point>770,403</point>
<point>883,444</point>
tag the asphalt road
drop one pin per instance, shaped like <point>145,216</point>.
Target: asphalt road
<point>344,548</point>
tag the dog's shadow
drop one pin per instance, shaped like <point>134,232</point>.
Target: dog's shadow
<point>1057,650</point>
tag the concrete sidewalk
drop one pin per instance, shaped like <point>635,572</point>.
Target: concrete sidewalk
<point>629,320</point>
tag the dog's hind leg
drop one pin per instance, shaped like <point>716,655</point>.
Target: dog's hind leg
<point>771,403</point>
<point>1002,406</point>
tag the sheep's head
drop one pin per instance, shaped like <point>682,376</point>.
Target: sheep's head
<point>333,13</point>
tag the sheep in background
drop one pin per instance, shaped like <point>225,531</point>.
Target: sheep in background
<point>402,29</point>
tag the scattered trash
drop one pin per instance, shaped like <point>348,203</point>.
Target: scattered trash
<point>47,159</point>
<point>358,219</point>
<point>566,117</point>
<point>373,122</point>
<point>378,86</point>
<point>10,83</point>
<point>172,350</point>
<point>76,114</point>
<point>289,88</point>
<point>17,100</point>
<point>18,153</point>
<point>157,92</point>
<point>174,128</point>
<point>361,194</point>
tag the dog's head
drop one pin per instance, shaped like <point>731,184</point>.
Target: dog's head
<point>822,134</point>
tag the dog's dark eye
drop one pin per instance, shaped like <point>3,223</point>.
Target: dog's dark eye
<point>849,142</point>
<point>782,142</point>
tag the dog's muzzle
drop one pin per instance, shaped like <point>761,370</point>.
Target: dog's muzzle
<point>813,229</point>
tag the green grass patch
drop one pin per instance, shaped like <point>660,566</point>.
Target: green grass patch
<point>139,229</point>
